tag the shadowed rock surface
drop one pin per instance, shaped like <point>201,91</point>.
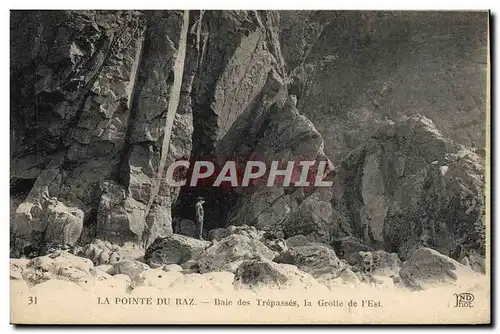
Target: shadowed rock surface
<point>174,249</point>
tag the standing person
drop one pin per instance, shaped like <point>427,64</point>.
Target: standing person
<point>199,216</point>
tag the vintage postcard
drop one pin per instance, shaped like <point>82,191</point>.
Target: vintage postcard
<point>249,167</point>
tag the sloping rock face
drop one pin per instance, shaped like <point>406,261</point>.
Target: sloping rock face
<point>112,86</point>
<point>300,30</point>
<point>365,65</point>
<point>240,49</point>
<point>427,268</point>
<point>409,187</point>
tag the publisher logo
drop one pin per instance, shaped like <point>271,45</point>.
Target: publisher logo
<point>464,299</point>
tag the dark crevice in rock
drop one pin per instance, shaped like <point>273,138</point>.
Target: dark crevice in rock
<point>20,188</point>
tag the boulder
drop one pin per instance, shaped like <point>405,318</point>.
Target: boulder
<point>273,129</point>
<point>386,264</point>
<point>316,259</point>
<point>349,277</point>
<point>99,275</point>
<point>297,240</point>
<point>129,268</point>
<point>101,252</point>
<point>348,249</point>
<point>190,271</point>
<point>173,249</point>
<point>427,268</point>
<point>312,218</point>
<point>107,268</point>
<point>16,268</point>
<point>231,251</point>
<point>256,274</point>
<point>477,262</point>
<point>188,228</point>
<point>65,225</point>
<point>217,234</point>
<point>60,265</point>
<point>245,230</point>
<point>172,267</point>
<point>191,264</point>
<point>277,245</point>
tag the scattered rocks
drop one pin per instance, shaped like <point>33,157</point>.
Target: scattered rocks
<point>101,252</point>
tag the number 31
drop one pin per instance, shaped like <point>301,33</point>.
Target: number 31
<point>32,300</point>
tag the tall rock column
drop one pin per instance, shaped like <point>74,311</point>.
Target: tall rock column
<point>139,209</point>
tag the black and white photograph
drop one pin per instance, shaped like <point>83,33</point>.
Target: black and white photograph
<point>250,166</point>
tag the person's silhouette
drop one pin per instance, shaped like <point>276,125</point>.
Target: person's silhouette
<point>199,216</point>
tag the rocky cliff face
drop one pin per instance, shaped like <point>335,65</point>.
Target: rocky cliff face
<point>103,101</point>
